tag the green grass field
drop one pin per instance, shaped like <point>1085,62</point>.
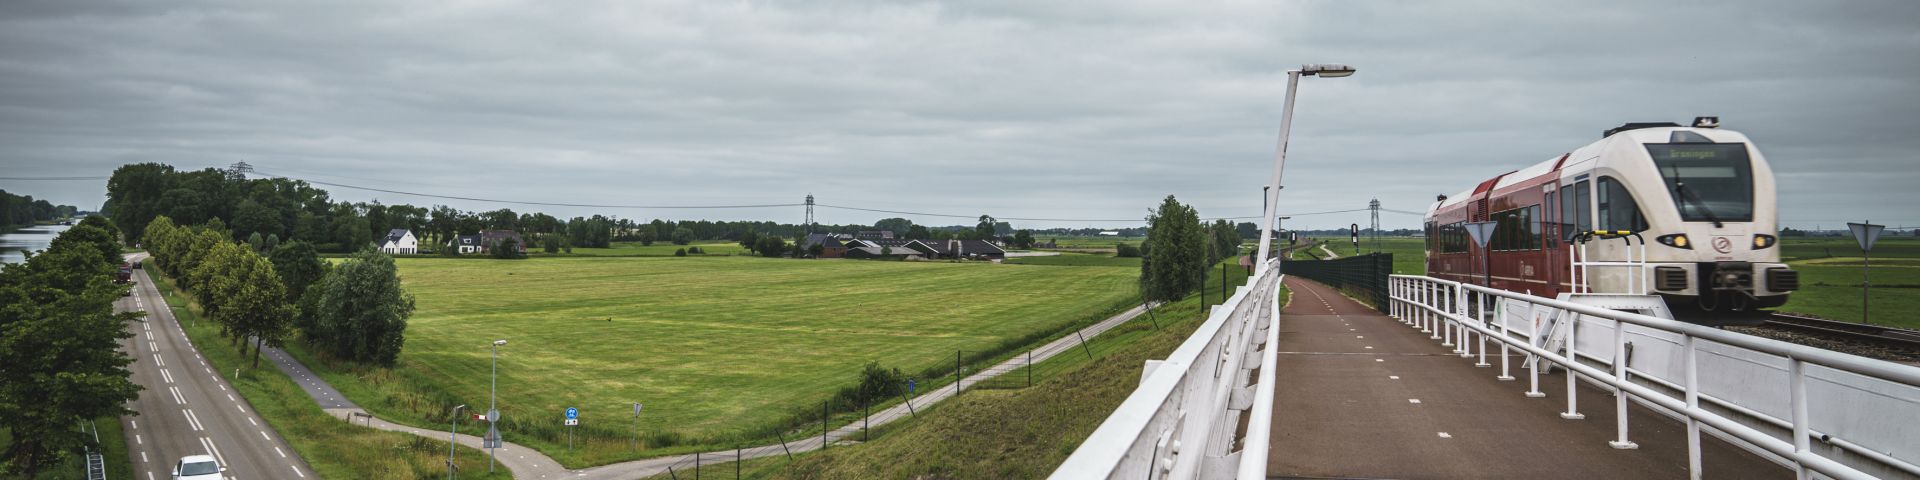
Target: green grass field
<point>1830,275</point>
<point>1065,241</point>
<point>635,249</point>
<point>719,349</point>
<point>1078,260</point>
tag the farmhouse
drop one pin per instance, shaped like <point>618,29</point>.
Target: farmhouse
<point>400,241</point>
<point>485,241</point>
<point>830,245</point>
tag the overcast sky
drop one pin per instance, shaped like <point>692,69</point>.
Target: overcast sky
<point>1078,110</point>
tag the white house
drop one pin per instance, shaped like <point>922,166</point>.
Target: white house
<point>400,241</point>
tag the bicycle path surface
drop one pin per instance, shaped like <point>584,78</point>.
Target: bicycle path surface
<point>529,464</point>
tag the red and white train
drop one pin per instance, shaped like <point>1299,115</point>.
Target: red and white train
<point>1698,202</point>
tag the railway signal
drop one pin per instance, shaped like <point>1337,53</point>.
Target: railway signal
<point>1866,234</point>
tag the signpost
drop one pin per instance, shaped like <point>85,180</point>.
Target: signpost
<point>1866,234</point>
<point>1482,233</point>
<point>636,426</point>
<point>573,420</point>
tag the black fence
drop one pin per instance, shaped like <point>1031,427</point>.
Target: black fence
<point>1364,277</point>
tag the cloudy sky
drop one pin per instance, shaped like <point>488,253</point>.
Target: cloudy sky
<point>1086,110</point>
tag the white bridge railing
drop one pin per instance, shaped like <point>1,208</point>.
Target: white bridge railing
<point>1815,410</point>
<point>1180,422</point>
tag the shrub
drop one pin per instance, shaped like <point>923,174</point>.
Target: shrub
<point>696,251</point>
<point>680,252</point>
<point>1126,250</point>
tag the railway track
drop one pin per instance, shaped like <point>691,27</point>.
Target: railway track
<point>1889,337</point>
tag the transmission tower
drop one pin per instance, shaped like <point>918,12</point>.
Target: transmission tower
<point>809,213</point>
<point>241,168</point>
<point>1374,206</point>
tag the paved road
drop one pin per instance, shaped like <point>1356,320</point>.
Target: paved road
<point>530,464</point>
<point>1369,397</point>
<point>187,408</point>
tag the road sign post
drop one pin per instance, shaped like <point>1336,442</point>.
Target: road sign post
<point>636,427</point>
<point>1866,234</point>
<point>1482,233</point>
<point>573,420</point>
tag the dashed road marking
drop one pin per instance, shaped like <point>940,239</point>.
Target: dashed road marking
<point>1445,435</point>
<point>1393,377</point>
<point>277,450</point>
<point>166,375</point>
<point>296,471</point>
<point>158,361</point>
<point>250,421</point>
<point>263,436</point>
<point>1413,400</point>
<point>177,399</point>
<point>192,420</point>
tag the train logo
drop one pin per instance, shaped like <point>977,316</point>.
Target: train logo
<point>1722,245</point>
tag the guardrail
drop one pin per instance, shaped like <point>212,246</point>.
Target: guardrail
<point>1180,422</point>
<point>1867,405</point>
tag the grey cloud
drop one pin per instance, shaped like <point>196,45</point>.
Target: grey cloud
<point>1026,109</point>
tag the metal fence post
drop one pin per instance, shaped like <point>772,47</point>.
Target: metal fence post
<point>1620,394</point>
<point>1573,379</point>
<point>1029,368</point>
<point>823,426</point>
<point>956,372</point>
<point>1083,344</point>
<point>783,445</point>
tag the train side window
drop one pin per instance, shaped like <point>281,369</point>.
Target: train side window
<point>1530,219</point>
<point>1552,230</point>
<point>1618,210</point>
<point>1582,213</point>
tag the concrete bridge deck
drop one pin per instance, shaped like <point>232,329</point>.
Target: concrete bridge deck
<point>1366,396</point>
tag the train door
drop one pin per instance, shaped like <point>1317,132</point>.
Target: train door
<point>1550,229</point>
<point>1576,215</point>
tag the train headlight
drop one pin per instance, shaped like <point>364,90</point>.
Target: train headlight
<point>1761,240</point>
<point>1677,240</point>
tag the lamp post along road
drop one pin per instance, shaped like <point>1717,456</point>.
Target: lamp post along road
<point>1280,157</point>
<point>453,438</point>
<point>493,411</point>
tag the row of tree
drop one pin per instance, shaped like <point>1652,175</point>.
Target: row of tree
<point>60,358</point>
<point>23,210</point>
<point>1180,250</point>
<point>355,311</point>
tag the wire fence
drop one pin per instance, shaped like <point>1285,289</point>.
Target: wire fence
<point>1363,276</point>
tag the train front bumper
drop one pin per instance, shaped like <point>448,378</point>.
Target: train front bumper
<point>1758,280</point>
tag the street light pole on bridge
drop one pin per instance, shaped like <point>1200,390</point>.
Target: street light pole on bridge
<point>1280,157</point>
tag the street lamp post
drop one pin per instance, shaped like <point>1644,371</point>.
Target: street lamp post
<point>1280,157</point>
<point>493,411</point>
<point>453,434</point>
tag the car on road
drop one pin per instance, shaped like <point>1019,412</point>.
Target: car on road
<point>197,467</point>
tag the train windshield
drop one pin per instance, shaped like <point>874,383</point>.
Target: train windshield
<point>1711,182</point>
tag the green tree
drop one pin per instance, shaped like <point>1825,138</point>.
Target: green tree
<point>1177,246</point>
<point>299,267</point>
<point>899,226</point>
<point>750,240</point>
<point>273,242</point>
<point>103,242</point>
<point>256,241</point>
<point>253,302</point>
<point>362,310</point>
<point>645,235</point>
<point>550,243</point>
<point>816,250</point>
<point>682,236</point>
<point>918,232</point>
<point>104,223</point>
<point>772,246</point>
<point>59,352</point>
<point>1224,239</point>
<point>134,194</point>
<point>508,249</point>
<point>984,229</point>
<point>1023,239</point>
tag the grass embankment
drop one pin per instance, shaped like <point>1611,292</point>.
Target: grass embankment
<point>721,350</point>
<point>334,448</point>
<point>1830,275</point>
<point>1006,433</point>
<point>113,449</point>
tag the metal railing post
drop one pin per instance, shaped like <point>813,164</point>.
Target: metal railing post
<point>1693,402</point>
<point>1506,338</point>
<point>1480,314</point>
<point>1620,394</point>
<point>1573,378</point>
<point>1797,374</point>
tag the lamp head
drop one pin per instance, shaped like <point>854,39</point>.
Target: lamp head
<point>499,343</point>
<point>1330,70</point>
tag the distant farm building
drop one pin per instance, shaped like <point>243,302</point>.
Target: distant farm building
<point>929,249</point>
<point>874,235</point>
<point>485,241</point>
<point>830,245</point>
<point>1109,233</point>
<point>400,241</point>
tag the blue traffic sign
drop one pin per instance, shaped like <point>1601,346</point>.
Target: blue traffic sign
<point>909,385</point>
<point>573,413</point>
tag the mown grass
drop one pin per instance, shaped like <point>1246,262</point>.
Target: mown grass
<point>1003,433</point>
<point>721,350</point>
<point>1831,271</point>
<point>1078,260</point>
<point>1070,241</point>
<point>333,447</point>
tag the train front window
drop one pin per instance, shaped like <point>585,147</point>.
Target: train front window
<point>1711,182</point>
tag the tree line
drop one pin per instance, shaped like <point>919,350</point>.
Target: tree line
<point>354,311</point>
<point>60,352</point>
<point>24,210</point>
<point>1180,249</point>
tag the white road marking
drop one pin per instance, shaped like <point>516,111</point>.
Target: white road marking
<point>158,361</point>
<point>192,421</point>
<point>149,475</point>
<point>296,471</point>
<point>263,436</point>
<point>277,450</point>
<point>216,451</point>
<point>250,420</point>
<point>1379,359</point>
<point>230,397</point>
<point>1413,400</point>
<point>136,440</point>
<point>177,399</point>
<point>242,410</point>
<point>222,387</point>
<point>143,456</point>
<point>136,424</point>
<point>1445,435</point>
<point>155,347</point>
<point>1359,336</point>
<point>1393,377</point>
<point>149,335</point>
<point>168,376</point>
<point>1369,347</point>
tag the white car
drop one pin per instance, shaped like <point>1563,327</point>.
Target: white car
<point>197,467</point>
